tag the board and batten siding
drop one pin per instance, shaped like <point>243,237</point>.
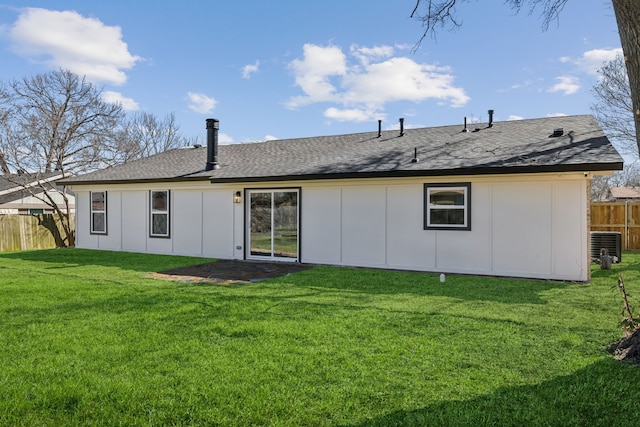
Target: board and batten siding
<point>203,222</point>
<point>523,226</point>
<point>522,229</point>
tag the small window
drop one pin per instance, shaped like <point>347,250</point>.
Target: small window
<point>159,214</point>
<point>98,212</point>
<point>447,206</point>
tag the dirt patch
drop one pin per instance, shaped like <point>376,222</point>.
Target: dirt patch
<point>230,272</point>
<point>627,349</point>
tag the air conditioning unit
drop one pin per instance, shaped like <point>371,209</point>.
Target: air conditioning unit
<point>610,240</point>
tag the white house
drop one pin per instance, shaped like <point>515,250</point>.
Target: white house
<point>504,199</point>
<point>23,194</point>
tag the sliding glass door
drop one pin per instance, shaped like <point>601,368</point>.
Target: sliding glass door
<point>272,229</point>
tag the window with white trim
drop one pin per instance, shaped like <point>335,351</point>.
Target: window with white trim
<point>447,206</point>
<point>159,223</point>
<point>98,212</point>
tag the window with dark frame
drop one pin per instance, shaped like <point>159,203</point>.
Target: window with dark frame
<point>447,206</point>
<point>159,223</point>
<point>98,212</point>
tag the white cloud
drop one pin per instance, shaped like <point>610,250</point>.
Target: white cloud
<point>592,60</point>
<point>367,54</point>
<point>514,117</point>
<point>313,74</point>
<point>568,85</point>
<point>350,115</point>
<point>556,115</point>
<point>247,70</point>
<point>396,126</point>
<point>361,87</point>
<point>201,103</point>
<point>402,79</point>
<point>270,138</point>
<point>66,39</point>
<point>128,104</point>
<point>224,138</point>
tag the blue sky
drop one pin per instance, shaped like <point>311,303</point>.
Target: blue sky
<point>291,68</point>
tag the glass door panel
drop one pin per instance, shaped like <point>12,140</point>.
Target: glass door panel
<point>285,224</point>
<point>260,224</point>
<point>273,224</point>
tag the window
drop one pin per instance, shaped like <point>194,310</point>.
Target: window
<point>447,206</point>
<point>98,212</point>
<point>159,214</point>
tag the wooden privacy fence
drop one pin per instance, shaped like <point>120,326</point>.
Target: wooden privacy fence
<point>623,217</point>
<point>26,232</point>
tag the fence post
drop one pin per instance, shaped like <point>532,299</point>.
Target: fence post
<point>622,217</point>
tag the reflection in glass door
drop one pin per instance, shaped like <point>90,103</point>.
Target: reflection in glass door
<point>273,224</point>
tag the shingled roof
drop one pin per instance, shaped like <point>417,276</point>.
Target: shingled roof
<point>522,146</point>
<point>13,187</point>
<point>16,182</point>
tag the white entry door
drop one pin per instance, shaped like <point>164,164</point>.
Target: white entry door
<point>273,224</point>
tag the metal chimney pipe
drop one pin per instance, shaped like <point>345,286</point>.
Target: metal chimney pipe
<point>379,128</point>
<point>401,126</point>
<point>490,118</point>
<point>212,144</point>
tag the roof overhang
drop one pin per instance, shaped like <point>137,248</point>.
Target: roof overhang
<point>29,184</point>
<point>586,168</point>
<point>135,181</point>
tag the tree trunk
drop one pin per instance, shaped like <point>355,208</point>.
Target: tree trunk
<point>3,165</point>
<point>48,221</point>
<point>628,18</point>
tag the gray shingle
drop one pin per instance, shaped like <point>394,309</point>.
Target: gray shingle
<point>18,181</point>
<point>507,147</point>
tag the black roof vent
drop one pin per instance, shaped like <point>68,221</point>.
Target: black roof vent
<point>415,156</point>
<point>557,132</point>
<point>401,126</point>
<point>465,126</point>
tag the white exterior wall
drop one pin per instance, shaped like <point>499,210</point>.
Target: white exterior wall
<point>533,226</point>
<point>202,221</point>
<point>32,202</point>
<point>524,226</point>
<point>519,227</point>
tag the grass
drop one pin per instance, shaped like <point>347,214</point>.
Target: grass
<point>87,340</point>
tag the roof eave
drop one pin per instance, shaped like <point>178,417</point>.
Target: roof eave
<point>134,181</point>
<point>504,170</point>
<point>590,167</point>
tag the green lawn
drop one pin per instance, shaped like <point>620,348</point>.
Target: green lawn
<point>85,340</point>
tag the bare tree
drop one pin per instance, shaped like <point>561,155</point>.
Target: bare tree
<point>628,18</point>
<point>55,122</point>
<point>599,188</point>
<point>601,184</point>
<point>143,135</point>
<point>4,123</point>
<point>60,122</point>
<point>435,14</point>
<point>613,108</point>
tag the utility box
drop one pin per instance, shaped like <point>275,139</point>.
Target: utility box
<point>609,240</point>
